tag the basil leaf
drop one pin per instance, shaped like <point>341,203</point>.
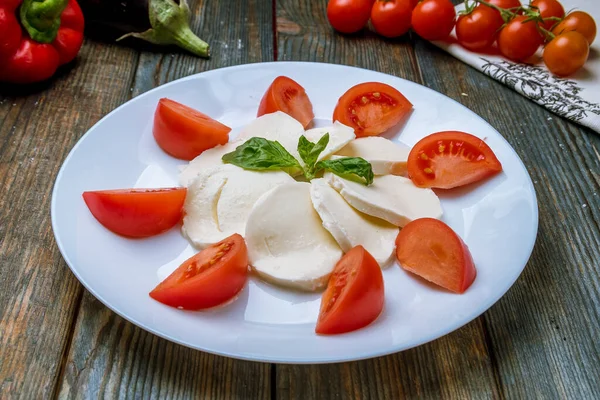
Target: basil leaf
<point>310,151</point>
<point>261,154</point>
<point>349,167</point>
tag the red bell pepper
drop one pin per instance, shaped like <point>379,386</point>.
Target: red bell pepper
<point>36,37</point>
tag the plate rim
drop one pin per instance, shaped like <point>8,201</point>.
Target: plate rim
<point>287,360</point>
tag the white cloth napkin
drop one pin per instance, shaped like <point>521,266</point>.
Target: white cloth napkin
<point>576,97</point>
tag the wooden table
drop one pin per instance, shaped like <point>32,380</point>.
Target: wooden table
<point>542,339</point>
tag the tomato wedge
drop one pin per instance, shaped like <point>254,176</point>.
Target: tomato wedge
<point>371,108</point>
<point>354,295</point>
<point>450,159</point>
<point>431,249</point>
<point>137,213</point>
<point>211,277</point>
<point>287,96</point>
<point>184,132</point>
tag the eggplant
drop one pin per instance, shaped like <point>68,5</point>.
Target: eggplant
<point>161,22</point>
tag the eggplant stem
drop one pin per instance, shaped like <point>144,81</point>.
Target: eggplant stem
<point>170,26</point>
<point>185,39</point>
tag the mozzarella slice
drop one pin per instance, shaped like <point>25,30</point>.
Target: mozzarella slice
<point>219,200</point>
<point>339,136</point>
<point>392,198</point>
<point>385,156</point>
<point>207,159</point>
<point>351,228</point>
<point>287,244</point>
<point>277,126</point>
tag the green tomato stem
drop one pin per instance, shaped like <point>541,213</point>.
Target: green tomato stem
<point>547,34</point>
<point>506,14</point>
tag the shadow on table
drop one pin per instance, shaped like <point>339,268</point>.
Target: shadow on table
<point>98,36</point>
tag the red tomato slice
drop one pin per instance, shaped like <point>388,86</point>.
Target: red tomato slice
<point>211,277</point>
<point>371,108</point>
<point>449,159</point>
<point>184,132</point>
<point>288,96</point>
<point>137,212</point>
<point>354,295</point>
<point>431,249</point>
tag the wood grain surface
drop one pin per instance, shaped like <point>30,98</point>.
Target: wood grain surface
<point>39,295</point>
<point>56,340</point>
<point>112,358</point>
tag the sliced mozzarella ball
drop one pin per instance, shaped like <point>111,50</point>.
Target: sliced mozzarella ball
<point>219,200</point>
<point>351,228</point>
<point>392,198</point>
<point>287,244</point>
<point>339,136</point>
<point>385,156</point>
<point>277,126</point>
<point>207,159</point>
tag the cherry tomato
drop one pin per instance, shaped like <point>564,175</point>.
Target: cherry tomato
<point>566,53</point>
<point>371,108</point>
<point>433,19</point>
<point>430,249</point>
<point>578,21</point>
<point>519,40</point>
<point>349,16</point>
<point>391,18</point>
<point>184,132</point>
<point>477,31</point>
<point>450,159</point>
<point>549,9</point>
<point>354,295</point>
<point>288,96</point>
<point>211,277</point>
<point>137,213</point>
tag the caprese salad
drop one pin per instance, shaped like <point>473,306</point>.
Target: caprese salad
<point>307,209</point>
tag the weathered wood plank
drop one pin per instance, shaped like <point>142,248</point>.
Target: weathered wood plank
<point>456,366</point>
<point>544,332</point>
<point>111,357</point>
<point>38,294</point>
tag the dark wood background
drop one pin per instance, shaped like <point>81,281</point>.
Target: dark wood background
<point>541,340</point>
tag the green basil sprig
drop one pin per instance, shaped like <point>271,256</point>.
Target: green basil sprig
<point>260,154</point>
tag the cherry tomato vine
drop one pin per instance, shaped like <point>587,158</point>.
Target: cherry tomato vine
<point>516,30</point>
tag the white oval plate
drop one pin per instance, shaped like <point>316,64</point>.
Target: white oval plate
<point>497,219</point>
